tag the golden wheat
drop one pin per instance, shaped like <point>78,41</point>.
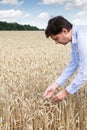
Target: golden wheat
<point>29,63</point>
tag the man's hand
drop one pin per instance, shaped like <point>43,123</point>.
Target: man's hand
<point>50,91</point>
<point>60,95</point>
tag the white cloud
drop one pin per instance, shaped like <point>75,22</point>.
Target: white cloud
<point>38,24</point>
<point>68,4</point>
<point>43,15</point>
<point>54,1</point>
<point>80,21</point>
<point>81,14</point>
<point>80,18</point>
<point>27,15</point>
<point>11,2</point>
<point>10,13</point>
<point>80,2</point>
<point>76,21</point>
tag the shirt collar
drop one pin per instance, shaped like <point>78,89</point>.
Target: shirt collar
<point>74,34</point>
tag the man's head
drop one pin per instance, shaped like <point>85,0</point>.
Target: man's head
<point>59,29</point>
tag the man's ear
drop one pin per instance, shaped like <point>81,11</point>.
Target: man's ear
<point>64,30</point>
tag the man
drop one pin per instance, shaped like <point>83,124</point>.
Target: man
<point>63,32</point>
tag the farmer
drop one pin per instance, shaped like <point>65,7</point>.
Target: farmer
<point>63,32</point>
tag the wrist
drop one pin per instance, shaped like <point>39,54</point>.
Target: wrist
<point>55,85</point>
<point>67,93</point>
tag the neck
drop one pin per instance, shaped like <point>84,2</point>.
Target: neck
<point>70,35</point>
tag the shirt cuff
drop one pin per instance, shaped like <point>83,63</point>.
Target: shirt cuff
<point>60,82</point>
<point>72,88</point>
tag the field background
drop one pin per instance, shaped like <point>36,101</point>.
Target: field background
<point>29,63</point>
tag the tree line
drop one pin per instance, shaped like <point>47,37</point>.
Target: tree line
<point>16,26</point>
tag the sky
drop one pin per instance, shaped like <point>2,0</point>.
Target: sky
<point>38,12</point>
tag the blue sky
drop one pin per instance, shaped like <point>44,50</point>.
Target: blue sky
<point>38,12</point>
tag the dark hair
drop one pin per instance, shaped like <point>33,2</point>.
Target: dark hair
<point>56,24</point>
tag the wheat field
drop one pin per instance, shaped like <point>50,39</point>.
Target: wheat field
<point>29,63</point>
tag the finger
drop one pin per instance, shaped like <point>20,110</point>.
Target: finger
<point>56,98</point>
<point>47,95</point>
<point>47,92</point>
<point>44,94</point>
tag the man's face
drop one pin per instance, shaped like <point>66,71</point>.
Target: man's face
<point>63,38</point>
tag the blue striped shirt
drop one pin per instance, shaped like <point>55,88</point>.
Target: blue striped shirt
<point>78,61</point>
